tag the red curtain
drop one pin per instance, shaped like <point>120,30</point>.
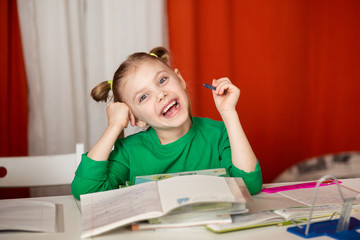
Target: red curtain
<point>296,63</point>
<point>13,90</point>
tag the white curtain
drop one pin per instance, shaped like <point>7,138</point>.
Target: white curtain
<point>69,47</point>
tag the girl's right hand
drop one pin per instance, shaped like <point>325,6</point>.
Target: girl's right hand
<point>119,114</point>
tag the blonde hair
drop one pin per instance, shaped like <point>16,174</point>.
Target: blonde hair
<point>101,91</point>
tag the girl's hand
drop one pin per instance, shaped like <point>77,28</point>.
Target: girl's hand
<point>119,114</point>
<point>226,95</point>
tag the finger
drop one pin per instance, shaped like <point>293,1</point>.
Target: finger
<point>222,88</point>
<point>221,85</point>
<point>132,118</point>
<point>221,80</point>
<point>109,105</point>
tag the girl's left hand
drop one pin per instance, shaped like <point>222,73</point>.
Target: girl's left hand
<point>226,95</point>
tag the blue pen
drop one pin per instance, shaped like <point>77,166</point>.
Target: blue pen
<point>209,86</point>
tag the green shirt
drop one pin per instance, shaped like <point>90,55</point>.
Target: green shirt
<point>205,146</point>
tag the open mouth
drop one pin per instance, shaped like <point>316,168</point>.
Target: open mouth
<point>170,109</point>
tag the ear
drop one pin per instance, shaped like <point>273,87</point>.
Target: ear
<point>183,83</point>
<point>140,124</point>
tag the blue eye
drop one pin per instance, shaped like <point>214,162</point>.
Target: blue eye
<point>162,80</point>
<point>142,98</point>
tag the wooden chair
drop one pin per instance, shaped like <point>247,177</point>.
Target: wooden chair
<point>39,171</point>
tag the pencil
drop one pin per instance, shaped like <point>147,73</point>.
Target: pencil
<point>211,87</point>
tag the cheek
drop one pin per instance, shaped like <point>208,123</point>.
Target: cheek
<point>145,112</point>
<point>149,111</point>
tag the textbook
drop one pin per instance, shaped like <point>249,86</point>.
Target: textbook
<point>180,222</point>
<point>280,217</point>
<point>104,211</point>
<point>220,172</point>
<point>190,216</point>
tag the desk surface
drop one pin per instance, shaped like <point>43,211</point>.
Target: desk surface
<point>72,223</point>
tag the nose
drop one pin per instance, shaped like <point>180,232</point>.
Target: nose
<point>161,95</point>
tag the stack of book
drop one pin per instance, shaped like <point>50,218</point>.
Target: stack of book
<point>178,201</point>
<point>202,198</point>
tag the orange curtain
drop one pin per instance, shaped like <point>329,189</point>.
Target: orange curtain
<point>13,90</point>
<point>296,63</point>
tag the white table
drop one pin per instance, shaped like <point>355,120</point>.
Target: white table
<point>72,224</point>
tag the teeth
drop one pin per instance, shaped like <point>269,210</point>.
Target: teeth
<point>169,106</point>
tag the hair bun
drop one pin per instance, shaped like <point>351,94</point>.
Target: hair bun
<point>101,91</point>
<point>162,53</point>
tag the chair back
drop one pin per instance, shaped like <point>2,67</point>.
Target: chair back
<point>33,171</point>
<point>341,165</point>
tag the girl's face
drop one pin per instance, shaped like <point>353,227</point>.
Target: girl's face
<point>156,95</point>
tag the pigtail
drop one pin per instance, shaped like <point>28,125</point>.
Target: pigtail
<point>161,53</point>
<point>101,91</point>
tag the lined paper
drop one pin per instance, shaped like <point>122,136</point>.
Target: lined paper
<point>27,215</point>
<point>103,211</point>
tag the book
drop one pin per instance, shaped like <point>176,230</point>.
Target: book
<point>104,211</point>
<point>27,215</point>
<point>281,217</point>
<point>190,216</point>
<point>220,172</point>
<point>180,222</point>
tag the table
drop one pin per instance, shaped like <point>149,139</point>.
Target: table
<point>72,223</point>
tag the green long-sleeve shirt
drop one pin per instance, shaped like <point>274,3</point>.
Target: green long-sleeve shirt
<point>205,146</point>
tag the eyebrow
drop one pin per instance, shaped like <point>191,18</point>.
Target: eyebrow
<point>154,79</point>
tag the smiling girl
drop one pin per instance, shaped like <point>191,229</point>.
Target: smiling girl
<point>147,91</point>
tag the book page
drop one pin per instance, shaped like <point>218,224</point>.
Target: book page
<point>239,190</point>
<point>353,183</point>
<point>193,189</point>
<point>304,212</point>
<point>27,215</point>
<point>248,221</point>
<point>220,172</point>
<point>327,195</point>
<point>103,211</point>
<point>183,222</point>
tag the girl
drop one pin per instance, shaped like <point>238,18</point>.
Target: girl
<point>147,91</point>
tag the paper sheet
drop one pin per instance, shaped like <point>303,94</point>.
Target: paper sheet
<point>190,189</point>
<point>103,211</point>
<point>27,215</point>
<point>327,195</point>
<point>298,213</point>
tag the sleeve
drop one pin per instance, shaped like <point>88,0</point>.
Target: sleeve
<point>95,176</point>
<point>253,180</point>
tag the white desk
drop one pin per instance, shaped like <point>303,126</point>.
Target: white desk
<point>72,224</point>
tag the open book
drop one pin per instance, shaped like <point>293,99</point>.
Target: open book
<point>281,217</point>
<point>180,222</point>
<point>27,215</point>
<point>220,172</point>
<point>190,216</point>
<point>107,210</point>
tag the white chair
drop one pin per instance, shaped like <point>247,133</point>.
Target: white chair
<point>341,165</point>
<point>38,171</point>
